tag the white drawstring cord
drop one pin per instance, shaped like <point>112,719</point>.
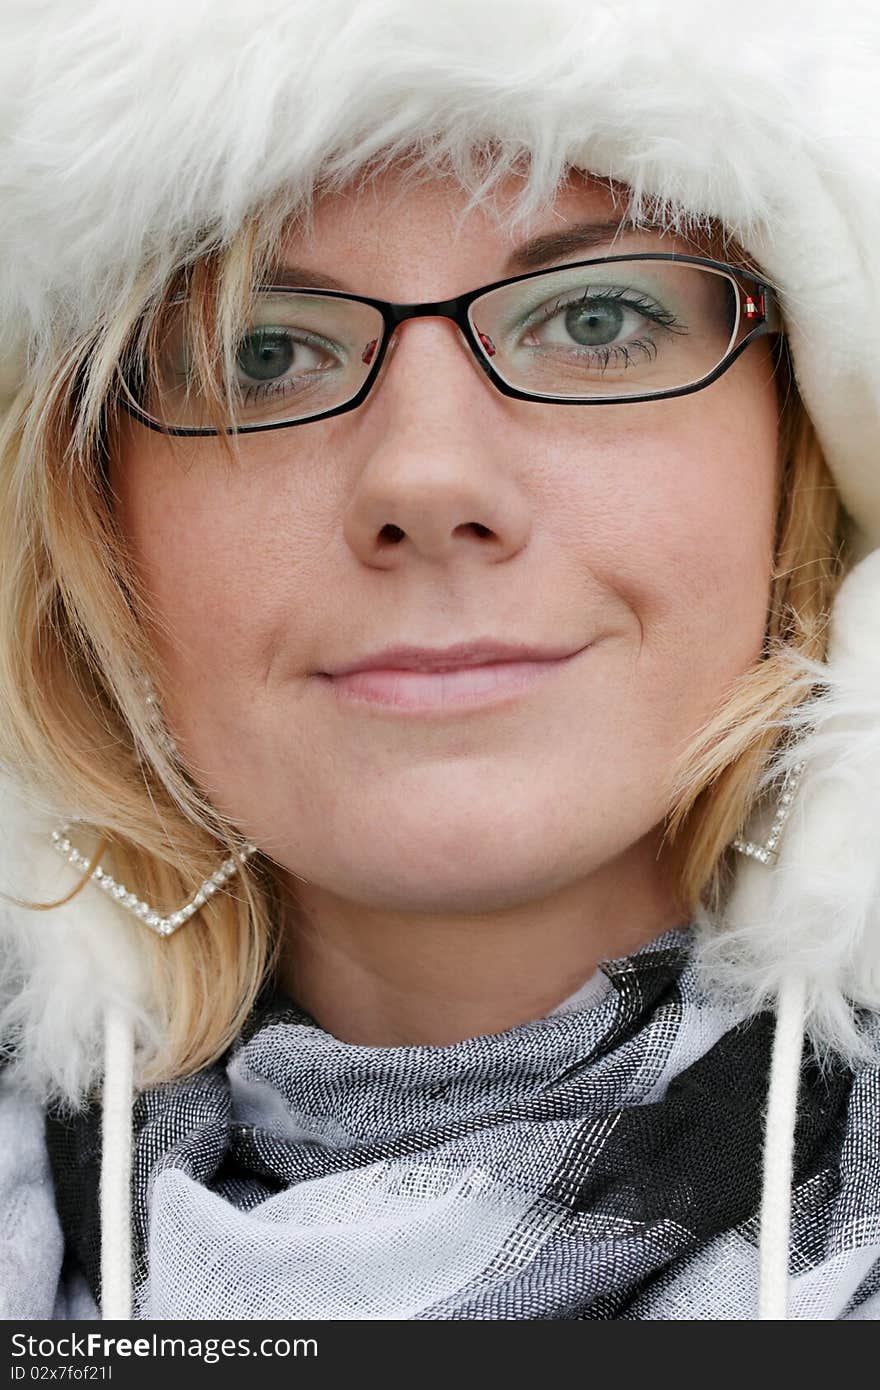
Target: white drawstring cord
<point>116,1145</point>
<point>785,1070</point>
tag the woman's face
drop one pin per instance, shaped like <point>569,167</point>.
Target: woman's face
<point>439,512</point>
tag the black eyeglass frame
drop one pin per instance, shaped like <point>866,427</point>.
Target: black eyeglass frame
<point>762,295</point>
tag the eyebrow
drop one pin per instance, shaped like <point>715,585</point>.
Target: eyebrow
<point>297,277</point>
<point>533,254</point>
<point>583,236</point>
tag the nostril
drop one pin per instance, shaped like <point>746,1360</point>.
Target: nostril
<point>393,534</point>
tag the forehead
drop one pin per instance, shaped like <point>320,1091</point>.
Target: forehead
<point>401,240</point>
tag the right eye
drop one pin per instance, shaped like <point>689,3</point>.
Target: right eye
<point>268,353</point>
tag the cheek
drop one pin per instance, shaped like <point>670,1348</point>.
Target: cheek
<point>225,555</point>
<point>678,521</point>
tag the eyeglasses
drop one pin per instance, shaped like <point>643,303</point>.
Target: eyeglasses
<point>596,332</point>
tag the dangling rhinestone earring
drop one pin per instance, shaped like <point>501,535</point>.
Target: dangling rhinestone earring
<point>157,723</point>
<point>163,926</point>
<point>767,852</point>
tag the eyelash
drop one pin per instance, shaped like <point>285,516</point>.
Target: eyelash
<point>260,391</point>
<point>616,354</point>
<point>664,317</point>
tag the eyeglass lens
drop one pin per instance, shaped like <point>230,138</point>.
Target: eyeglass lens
<point>609,331</point>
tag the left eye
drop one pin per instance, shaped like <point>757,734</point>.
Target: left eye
<point>268,353</point>
<point>589,322</point>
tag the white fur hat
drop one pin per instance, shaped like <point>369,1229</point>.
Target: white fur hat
<point>131,135</point>
<point>128,133</point>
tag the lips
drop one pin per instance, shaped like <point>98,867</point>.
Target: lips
<point>482,652</point>
<point>481,675</point>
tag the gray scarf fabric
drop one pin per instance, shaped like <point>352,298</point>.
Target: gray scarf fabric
<point>602,1162</point>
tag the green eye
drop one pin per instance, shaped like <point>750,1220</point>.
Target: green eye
<point>266,354</point>
<point>594,323</point>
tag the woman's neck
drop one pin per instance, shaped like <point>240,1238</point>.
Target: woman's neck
<point>393,979</point>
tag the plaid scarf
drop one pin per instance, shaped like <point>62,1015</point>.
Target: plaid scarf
<point>602,1162</point>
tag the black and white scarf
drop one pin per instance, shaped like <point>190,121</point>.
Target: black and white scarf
<point>602,1162</point>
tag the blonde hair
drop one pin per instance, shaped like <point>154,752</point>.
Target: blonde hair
<point>74,647</point>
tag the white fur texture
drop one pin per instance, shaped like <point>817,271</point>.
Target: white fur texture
<point>816,914</point>
<point>59,969</point>
<point>131,134</point>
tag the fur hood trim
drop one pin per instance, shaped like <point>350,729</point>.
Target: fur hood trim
<point>815,914</point>
<point>60,969</point>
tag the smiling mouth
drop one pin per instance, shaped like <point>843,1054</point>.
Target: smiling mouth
<point>460,688</point>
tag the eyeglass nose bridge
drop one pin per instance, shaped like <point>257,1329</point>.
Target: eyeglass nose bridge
<point>453,309</point>
<point>439,309</point>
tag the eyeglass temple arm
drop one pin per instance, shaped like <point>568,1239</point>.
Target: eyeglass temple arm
<point>770,308</point>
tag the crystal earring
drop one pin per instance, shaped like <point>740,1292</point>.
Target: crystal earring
<point>768,851</point>
<point>163,926</point>
<point>157,723</point>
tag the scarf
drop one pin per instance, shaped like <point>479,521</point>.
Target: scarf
<point>601,1162</point>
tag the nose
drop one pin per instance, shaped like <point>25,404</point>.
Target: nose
<point>439,457</point>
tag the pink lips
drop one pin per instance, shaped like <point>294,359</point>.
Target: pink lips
<point>470,674</point>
